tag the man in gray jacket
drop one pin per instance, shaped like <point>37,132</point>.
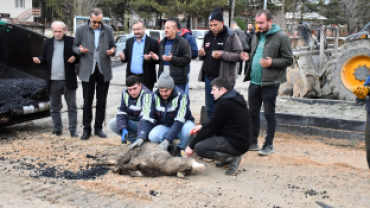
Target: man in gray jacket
<point>270,56</point>
<point>220,51</point>
<point>94,43</point>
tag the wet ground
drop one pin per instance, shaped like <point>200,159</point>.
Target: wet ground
<point>38,169</point>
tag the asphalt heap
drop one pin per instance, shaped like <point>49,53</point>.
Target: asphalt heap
<point>15,93</point>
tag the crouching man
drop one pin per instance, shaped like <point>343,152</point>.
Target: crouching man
<point>227,135</point>
<point>132,103</point>
<point>167,117</point>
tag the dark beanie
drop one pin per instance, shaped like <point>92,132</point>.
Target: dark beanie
<point>216,14</point>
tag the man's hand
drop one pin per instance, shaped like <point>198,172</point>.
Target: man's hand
<point>244,56</point>
<point>154,56</point>
<point>361,91</point>
<point>167,58</point>
<point>137,143</point>
<point>188,152</point>
<point>216,54</point>
<point>124,135</point>
<point>195,129</point>
<point>36,60</point>
<point>71,59</point>
<point>201,52</point>
<point>266,62</point>
<point>82,49</point>
<point>147,57</point>
<point>122,56</point>
<point>111,51</point>
<point>163,145</point>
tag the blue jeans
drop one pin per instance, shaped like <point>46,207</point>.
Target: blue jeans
<point>187,86</point>
<point>131,128</point>
<point>210,105</point>
<point>158,133</point>
<point>267,95</point>
<point>182,86</point>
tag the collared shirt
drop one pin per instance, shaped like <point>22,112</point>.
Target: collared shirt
<point>137,57</point>
<point>97,36</point>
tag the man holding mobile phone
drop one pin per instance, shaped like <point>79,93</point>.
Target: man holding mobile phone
<point>270,56</point>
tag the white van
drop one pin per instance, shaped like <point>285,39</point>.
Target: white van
<point>156,34</point>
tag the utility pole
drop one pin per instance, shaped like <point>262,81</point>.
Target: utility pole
<point>265,5</point>
<point>232,11</point>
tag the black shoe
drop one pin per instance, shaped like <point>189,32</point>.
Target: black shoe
<point>224,159</point>
<point>254,147</point>
<point>266,150</point>
<point>58,133</point>
<point>86,135</point>
<point>234,166</point>
<point>100,134</point>
<point>74,133</point>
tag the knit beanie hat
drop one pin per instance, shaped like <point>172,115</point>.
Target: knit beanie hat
<point>216,14</point>
<point>165,81</point>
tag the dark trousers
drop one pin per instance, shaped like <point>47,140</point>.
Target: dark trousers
<point>240,70</point>
<point>367,138</point>
<point>96,82</point>
<point>56,89</point>
<point>208,147</point>
<point>267,95</point>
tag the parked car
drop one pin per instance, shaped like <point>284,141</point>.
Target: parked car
<point>121,42</point>
<point>198,35</point>
<point>156,34</point>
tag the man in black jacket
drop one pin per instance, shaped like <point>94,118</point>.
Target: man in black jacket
<point>58,55</point>
<point>225,136</point>
<point>175,55</point>
<point>138,58</point>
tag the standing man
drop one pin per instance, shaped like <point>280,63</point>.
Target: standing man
<point>221,50</point>
<point>271,54</point>
<point>57,54</point>
<point>225,136</point>
<point>166,117</point>
<point>175,55</point>
<point>137,57</point>
<point>132,103</point>
<point>94,42</point>
<point>244,38</point>
<point>251,31</point>
<point>185,33</point>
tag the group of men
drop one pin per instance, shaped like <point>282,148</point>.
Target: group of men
<point>163,115</point>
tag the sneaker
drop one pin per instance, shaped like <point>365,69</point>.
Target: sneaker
<point>254,147</point>
<point>266,150</point>
<point>58,133</point>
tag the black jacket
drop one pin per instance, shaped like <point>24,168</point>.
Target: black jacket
<point>181,58</point>
<point>231,120</point>
<point>69,69</point>
<point>148,66</point>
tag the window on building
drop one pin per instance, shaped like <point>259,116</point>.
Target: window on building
<point>19,3</point>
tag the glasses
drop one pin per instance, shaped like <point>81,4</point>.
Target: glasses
<point>95,22</point>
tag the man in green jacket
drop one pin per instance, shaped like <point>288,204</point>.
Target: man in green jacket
<point>270,56</point>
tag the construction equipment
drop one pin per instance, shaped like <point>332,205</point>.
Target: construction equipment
<point>323,70</point>
<point>22,83</point>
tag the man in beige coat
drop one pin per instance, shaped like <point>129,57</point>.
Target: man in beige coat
<point>220,52</point>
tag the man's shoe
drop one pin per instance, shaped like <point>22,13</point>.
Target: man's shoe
<point>234,166</point>
<point>101,134</point>
<point>86,135</point>
<point>74,133</point>
<point>223,158</point>
<point>254,147</point>
<point>266,150</point>
<point>58,133</point>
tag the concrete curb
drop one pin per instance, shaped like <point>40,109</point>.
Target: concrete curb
<point>318,126</point>
<point>320,101</point>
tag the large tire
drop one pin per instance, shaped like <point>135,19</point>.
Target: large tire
<point>340,76</point>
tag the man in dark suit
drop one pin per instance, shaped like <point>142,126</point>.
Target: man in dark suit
<point>58,55</point>
<point>138,58</point>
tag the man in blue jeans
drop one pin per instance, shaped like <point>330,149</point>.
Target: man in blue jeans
<point>128,115</point>
<point>166,116</point>
<point>270,56</point>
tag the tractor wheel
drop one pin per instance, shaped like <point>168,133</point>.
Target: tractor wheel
<point>348,68</point>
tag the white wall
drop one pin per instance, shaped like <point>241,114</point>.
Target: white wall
<point>8,6</point>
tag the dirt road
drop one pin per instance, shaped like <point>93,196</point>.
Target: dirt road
<point>41,170</point>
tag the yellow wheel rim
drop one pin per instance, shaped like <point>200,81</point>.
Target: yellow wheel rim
<point>355,71</point>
